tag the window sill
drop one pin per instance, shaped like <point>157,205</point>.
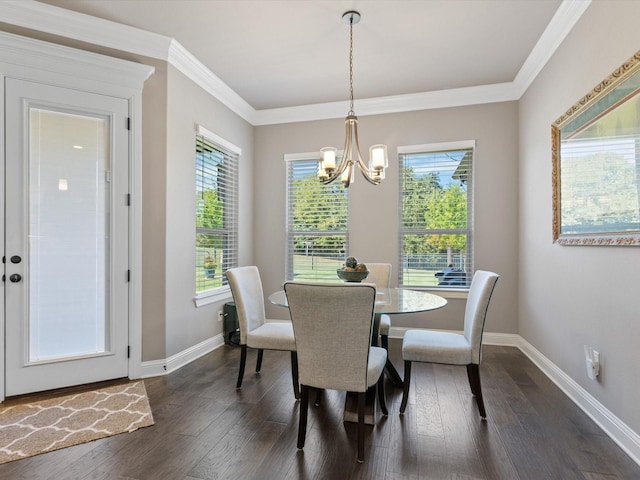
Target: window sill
<point>449,293</point>
<point>215,295</point>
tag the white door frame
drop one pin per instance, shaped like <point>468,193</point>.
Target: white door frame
<point>43,62</point>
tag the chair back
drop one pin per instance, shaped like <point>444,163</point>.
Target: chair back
<point>246,288</point>
<point>480,291</point>
<point>380,274</point>
<point>332,324</point>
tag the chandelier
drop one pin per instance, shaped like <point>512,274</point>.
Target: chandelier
<point>329,168</point>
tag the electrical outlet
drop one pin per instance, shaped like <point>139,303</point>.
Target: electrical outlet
<point>592,358</point>
<point>595,364</point>
<point>220,315</point>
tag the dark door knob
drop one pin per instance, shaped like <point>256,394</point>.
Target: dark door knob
<point>16,259</point>
<point>15,278</point>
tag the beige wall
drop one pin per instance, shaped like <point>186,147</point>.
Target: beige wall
<point>154,186</point>
<point>374,209</point>
<point>571,295</point>
<point>188,105</point>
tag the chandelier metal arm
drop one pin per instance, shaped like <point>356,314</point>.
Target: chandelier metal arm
<point>342,166</point>
<point>347,155</point>
<point>363,167</point>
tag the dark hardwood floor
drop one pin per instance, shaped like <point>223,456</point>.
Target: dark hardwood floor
<point>206,429</point>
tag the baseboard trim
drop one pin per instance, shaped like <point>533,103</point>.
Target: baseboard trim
<point>163,367</point>
<point>616,429</point>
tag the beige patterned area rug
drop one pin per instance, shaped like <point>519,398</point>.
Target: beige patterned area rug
<point>32,428</point>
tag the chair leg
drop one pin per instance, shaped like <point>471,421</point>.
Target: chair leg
<point>405,387</point>
<point>362,396</point>
<point>304,408</point>
<point>243,361</point>
<point>259,361</point>
<point>381,396</point>
<point>294,374</point>
<point>384,341</point>
<point>470,377</point>
<point>473,370</point>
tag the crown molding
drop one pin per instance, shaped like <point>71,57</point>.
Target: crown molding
<point>27,57</point>
<point>559,27</point>
<point>455,97</point>
<point>85,28</point>
<point>194,69</point>
<point>66,23</point>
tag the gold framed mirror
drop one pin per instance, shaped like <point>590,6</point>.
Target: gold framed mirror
<point>596,164</point>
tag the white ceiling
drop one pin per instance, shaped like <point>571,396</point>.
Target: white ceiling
<point>279,61</point>
<point>284,53</point>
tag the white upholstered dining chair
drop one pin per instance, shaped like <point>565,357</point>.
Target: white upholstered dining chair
<point>333,324</point>
<point>256,331</point>
<point>451,348</point>
<point>380,274</point>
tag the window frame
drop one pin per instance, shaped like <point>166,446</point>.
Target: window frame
<point>290,160</point>
<point>402,151</point>
<point>232,152</point>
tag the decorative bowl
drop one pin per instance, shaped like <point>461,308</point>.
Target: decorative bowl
<point>353,276</point>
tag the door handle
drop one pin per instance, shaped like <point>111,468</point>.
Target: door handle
<point>15,277</point>
<point>16,259</point>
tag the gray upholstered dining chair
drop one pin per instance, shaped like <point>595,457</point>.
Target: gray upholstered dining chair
<point>454,348</point>
<point>380,274</point>
<point>256,331</point>
<point>333,324</point>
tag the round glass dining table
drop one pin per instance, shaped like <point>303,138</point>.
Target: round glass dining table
<point>391,301</point>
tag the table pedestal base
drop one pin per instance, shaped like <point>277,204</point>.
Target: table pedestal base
<point>393,375</point>
<point>351,407</point>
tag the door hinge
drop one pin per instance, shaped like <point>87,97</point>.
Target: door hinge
<point>128,123</point>
<point>128,351</point>
<point>128,199</point>
<point>128,275</point>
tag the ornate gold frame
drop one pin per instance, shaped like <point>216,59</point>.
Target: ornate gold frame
<point>598,94</point>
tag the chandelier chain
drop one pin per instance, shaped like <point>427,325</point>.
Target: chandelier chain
<point>351,112</point>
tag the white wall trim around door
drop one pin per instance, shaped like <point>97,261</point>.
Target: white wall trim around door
<point>52,64</point>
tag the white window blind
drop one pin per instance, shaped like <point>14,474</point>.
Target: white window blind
<point>436,231</point>
<point>216,210</point>
<point>317,234</point>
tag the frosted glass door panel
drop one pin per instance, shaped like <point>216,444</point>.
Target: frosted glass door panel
<point>68,235</point>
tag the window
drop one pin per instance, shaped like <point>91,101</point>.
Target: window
<point>436,228</point>
<point>317,235</point>
<point>216,209</point>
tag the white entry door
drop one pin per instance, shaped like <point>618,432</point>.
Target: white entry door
<point>66,259</point>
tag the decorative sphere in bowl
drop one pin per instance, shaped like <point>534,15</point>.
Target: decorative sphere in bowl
<point>352,275</point>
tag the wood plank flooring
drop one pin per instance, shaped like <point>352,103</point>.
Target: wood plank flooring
<point>206,429</point>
